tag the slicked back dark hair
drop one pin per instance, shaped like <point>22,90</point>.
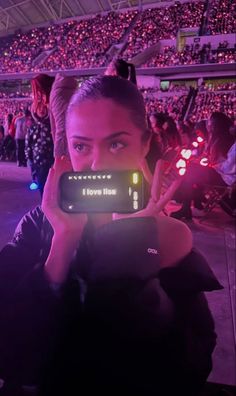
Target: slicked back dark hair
<point>121,91</point>
<point>125,70</point>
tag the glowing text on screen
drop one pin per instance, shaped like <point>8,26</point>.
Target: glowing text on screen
<point>99,192</point>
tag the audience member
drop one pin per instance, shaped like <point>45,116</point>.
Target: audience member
<point>221,151</point>
<point>8,145</point>
<point>90,316</point>
<point>21,130</point>
<point>39,142</point>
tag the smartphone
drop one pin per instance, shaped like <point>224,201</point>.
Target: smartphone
<point>102,191</point>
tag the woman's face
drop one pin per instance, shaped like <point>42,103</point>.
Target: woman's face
<point>155,127</point>
<point>152,122</point>
<point>101,135</point>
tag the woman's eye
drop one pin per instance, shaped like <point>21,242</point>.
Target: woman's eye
<point>115,146</point>
<point>81,148</point>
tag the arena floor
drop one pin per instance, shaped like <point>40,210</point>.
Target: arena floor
<point>214,236</point>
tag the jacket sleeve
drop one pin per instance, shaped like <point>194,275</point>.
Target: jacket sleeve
<point>19,259</point>
<point>27,303</point>
<point>28,148</point>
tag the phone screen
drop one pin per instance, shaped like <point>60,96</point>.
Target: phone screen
<point>105,191</point>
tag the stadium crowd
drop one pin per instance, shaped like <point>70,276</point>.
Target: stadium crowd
<point>20,51</point>
<point>74,44</point>
<point>210,97</point>
<point>162,23</point>
<point>13,95</point>
<point>221,86</point>
<point>85,43</point>
<point>88,41</point>
<point>171,107</point>
<point>205,104</point>
<point>192,54</point>
<point>208,102</point>
<point>222,17</point>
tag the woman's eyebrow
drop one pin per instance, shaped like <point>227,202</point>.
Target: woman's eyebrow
<point>113,135</point>
<point>81,138</point>
<point>116,134</point>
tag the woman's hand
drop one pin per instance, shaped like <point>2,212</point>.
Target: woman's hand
<point>68,227</point>
<point>159,196</point>
<point>69,224</point>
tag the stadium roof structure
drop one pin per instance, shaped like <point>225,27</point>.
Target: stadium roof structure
<point>19,14</point>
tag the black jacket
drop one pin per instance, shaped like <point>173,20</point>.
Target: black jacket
<point>119,324</point>
<point>39,143</point>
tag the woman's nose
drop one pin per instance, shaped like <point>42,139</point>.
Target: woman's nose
<point>99,161</point>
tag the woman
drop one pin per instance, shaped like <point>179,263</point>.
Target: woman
<point>21,130</point>
<point>38,142</point>
<point>9,145</point>
<point>105,303</point>
<point>221,171</point>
